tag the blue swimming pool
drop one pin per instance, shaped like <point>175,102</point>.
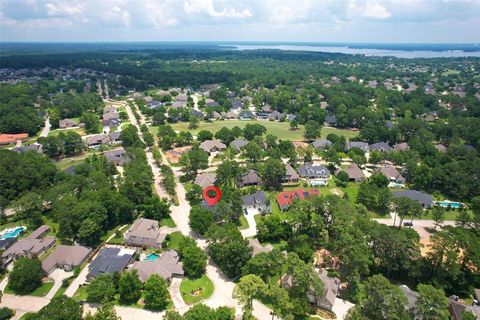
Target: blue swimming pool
<point>12,233</point>
<point>451,204</point>
<point>152,257</point>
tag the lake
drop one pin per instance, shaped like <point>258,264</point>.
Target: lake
<point>410,54</point>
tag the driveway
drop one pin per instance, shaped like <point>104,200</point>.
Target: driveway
<point>174,290</point>
<point>57,275</point>
<point>251,231</point>
<point>81,279</point>
<point>341,308</point>
<point>46,128</point>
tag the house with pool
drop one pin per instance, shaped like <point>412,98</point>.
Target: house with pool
<point>145,233</point>
<point>31,247</point>
<point>167,265</point>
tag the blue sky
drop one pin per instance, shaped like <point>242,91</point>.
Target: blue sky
<point>381,21</point>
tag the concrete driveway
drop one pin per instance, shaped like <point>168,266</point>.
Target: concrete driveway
<point>81,279</point>
<point>251,231</point>
<point>174,290</point>
<point>23,303</point>
<point>57,275</point>
<point>341,308</point>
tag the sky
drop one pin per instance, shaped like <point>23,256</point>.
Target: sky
<point>366,21</point>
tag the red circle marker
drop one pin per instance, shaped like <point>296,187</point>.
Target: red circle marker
<point>211,201</point>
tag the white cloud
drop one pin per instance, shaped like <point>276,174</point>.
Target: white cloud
<point>285,12</point>
<point>206,6</point>
<point>64,8</point>
<point>376,11</point>
<point>157,14</point>
<point>126,18</point>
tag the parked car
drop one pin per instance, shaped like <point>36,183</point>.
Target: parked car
<point>408,224</point>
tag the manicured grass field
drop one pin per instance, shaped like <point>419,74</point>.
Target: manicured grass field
<point>189,286</point>
<point>56,132</point>
<point>39,292</point>
<point>81,293</point>
<point>174,242</point>
<point>167,222</point>
<point>243,222</point>
<point>279,129</point>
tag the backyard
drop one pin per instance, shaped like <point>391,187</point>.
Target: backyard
<point>279,129</point>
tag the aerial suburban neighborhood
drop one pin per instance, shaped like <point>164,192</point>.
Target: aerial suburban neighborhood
<point>228,181</point>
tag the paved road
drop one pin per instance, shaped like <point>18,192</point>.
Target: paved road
<point>23,303</point>
<point>416,222</point>
<point>46,128</point>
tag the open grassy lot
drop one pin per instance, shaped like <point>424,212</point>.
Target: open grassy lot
<point>81,293</point>
<point>56,132</point>
<point>39,292</point>
<point>279,129</point>
<point>195,290</point>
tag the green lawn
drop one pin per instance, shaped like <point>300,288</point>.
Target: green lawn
<point>56,132</point>
<point>243,222</point>
<point>190,286</point>
<point>174,242</point>
<point>73,161</point>
<point>81,293</point>
<point>60,291</point>
<point>167,222</point>
<point>279,129</point>
<point>448,72</point>
<point>39,292</point>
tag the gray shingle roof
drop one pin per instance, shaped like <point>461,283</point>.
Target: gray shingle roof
<point>380,146</point>
<point>258,197</point>
<point>110,260</point>
<point>321,144</point>
<point>166,266</point>
<point>424,198</point>
<point>237,144</point>
<point>311,171</point>
<point>357,144</point>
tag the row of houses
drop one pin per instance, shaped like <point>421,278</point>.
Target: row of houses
<point>98,140</point>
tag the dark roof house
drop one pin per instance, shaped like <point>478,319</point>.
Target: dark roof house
<point>423,198</point>
<point>380,146</point>
<point>357,144</point>
<point>257,200</point>
<point>238,144</point>
<point>110,260</point>
<point>118,156</point>
<point>321,144</point>
<point>250,178</point>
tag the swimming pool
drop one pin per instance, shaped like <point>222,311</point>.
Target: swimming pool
<point>451,204</point>
<point>152,257</point>
<point>12,233</point>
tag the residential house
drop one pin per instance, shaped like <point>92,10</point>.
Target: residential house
<point>285,198</point>
<point>372,84</point>
<point>423,198</point>
<point>154,104</point>
<point>35,147</point>
<point>97,140</point>
<point>323,105</point>
<point>6,138</point>
<point>315,175</point>
<point>258,247</point>
<point>31,246</point>
<point>354,173</point>
<point>110,260</point>
<point>457,309</point>
<point>331,120</point>
<point>257,201</point>
<point>246,115</point>
<point>412,297</point>
<point>322,144</point>
<point>236,103</point>
<point>210,146</point>
<point>262,115</point>
<point>66,258</point>
<point>229,115</point>
<point>392,174</point>
<point>118,156</point>
<point>250,178</point>
<point>111,119</point>
<point>67,123</point>
<point>238,144</point>
<point>403,146</point>
<point>291,117</point>
<point>145,232</point>
<point>174,154</point>
<point>381,147</point>
<point>197,114</point>
<point>167,266</point>
<point>205,179</point>
<point>291,175</point>
<point>216,115</point>
<point>277,116</point>
<point>115,137</point>
<point>330,291</point>
<point>211,103</point>
<point>357,144</point>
